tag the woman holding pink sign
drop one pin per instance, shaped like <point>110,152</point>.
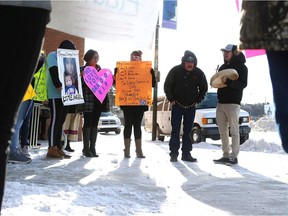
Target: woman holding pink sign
<point>92,107</point>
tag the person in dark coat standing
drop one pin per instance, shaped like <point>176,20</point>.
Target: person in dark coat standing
<point>91,109</point>
<point>229,100</point>
<point>264,26</point>
<point>185,86</point>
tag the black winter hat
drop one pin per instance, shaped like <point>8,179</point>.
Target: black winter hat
<point>189,57</point>
<point>67,44</point>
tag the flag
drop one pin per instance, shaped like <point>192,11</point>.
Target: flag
<point>169,19</point>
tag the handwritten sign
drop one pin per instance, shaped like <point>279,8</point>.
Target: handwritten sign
<point>40,84</point>
<point>69,75</point>
<point>133,83</point>
<point>99,82</point>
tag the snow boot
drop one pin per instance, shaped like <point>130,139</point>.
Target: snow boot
<point>93,138</point>
<point>139,152</point>
<point>62,153</point>
<point>86,138</point>
<point>53,152</point>
<point>127,143</point>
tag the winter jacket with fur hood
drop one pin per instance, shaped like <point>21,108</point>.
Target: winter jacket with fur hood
<point>232,94</point>
<point>185,87</point>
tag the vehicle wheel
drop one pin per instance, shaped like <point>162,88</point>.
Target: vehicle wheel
<point>196,136</point>
<point>118,131</point>
<point>243,139</point>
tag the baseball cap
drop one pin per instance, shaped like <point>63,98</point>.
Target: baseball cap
<point>228,48</point>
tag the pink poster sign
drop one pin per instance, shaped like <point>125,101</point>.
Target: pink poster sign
<point>99,82</point>
<point>257,52</point>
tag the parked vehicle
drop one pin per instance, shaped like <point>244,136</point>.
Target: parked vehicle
<point>205,125</point>
<point>109,122</point>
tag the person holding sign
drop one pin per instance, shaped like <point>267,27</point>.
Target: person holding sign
<point>185,86</point>
<point>57,109</point>
<point>133,114</point>
<point>92,107</point>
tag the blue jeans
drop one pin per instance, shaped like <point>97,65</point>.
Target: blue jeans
<point>22,113</point>
<point>188,121</point>
<point>24,131</point>
<point>278,65</point>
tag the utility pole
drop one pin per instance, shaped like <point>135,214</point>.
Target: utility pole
<point>155,92</point>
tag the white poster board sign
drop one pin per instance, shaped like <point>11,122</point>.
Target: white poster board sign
<point>69,76</point>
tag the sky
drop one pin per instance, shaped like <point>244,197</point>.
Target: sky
<point>204,27</point>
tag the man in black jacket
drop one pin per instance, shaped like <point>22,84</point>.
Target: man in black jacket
<point>185,86</point>
<point>229,100</point>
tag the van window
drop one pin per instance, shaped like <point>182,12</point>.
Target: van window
<point>210,101</point>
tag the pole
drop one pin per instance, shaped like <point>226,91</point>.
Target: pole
<point>155,92</point>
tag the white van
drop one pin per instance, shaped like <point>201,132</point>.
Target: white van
<point>205,125</point>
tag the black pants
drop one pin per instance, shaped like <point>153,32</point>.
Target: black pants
<point>91,119</point>
<point>133,117</point>
<point>58,114</point>
<point>22,31</point>
<point>188,116</point>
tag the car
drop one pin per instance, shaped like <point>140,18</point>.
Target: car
<point>205,125</point>
<point>109,122</point>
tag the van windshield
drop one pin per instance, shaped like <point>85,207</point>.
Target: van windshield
<point>106,114</point>
<point>210,101</point>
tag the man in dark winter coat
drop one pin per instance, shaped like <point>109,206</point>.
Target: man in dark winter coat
<point>185,86</point>
<point>229,99</point>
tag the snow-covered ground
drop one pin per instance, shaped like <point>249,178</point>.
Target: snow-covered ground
<point>112,185</point>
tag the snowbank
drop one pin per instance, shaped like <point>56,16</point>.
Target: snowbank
<point>264,124</point>
<point>262,145</point>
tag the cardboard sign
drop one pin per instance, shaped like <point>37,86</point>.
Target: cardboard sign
<point>99,82</point>
<point>133,83</point>
<point>69,75</point>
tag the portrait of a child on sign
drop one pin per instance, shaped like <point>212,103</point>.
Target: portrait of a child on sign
<point>69,74</point>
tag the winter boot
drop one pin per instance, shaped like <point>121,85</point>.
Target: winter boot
<point>93,138</point>
<point>62,153</point>
<point>127,143</point>
<point>86,138</point>
<point>53,152</point>
<point>139,152</point>
<point>68,147</point>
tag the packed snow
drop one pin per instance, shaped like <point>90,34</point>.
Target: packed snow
<point>264,124</point>
<point>112,185</point>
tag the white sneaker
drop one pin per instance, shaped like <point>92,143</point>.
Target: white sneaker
<point>25,151</point>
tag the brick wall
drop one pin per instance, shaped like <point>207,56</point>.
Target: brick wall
<point>53,38</point>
